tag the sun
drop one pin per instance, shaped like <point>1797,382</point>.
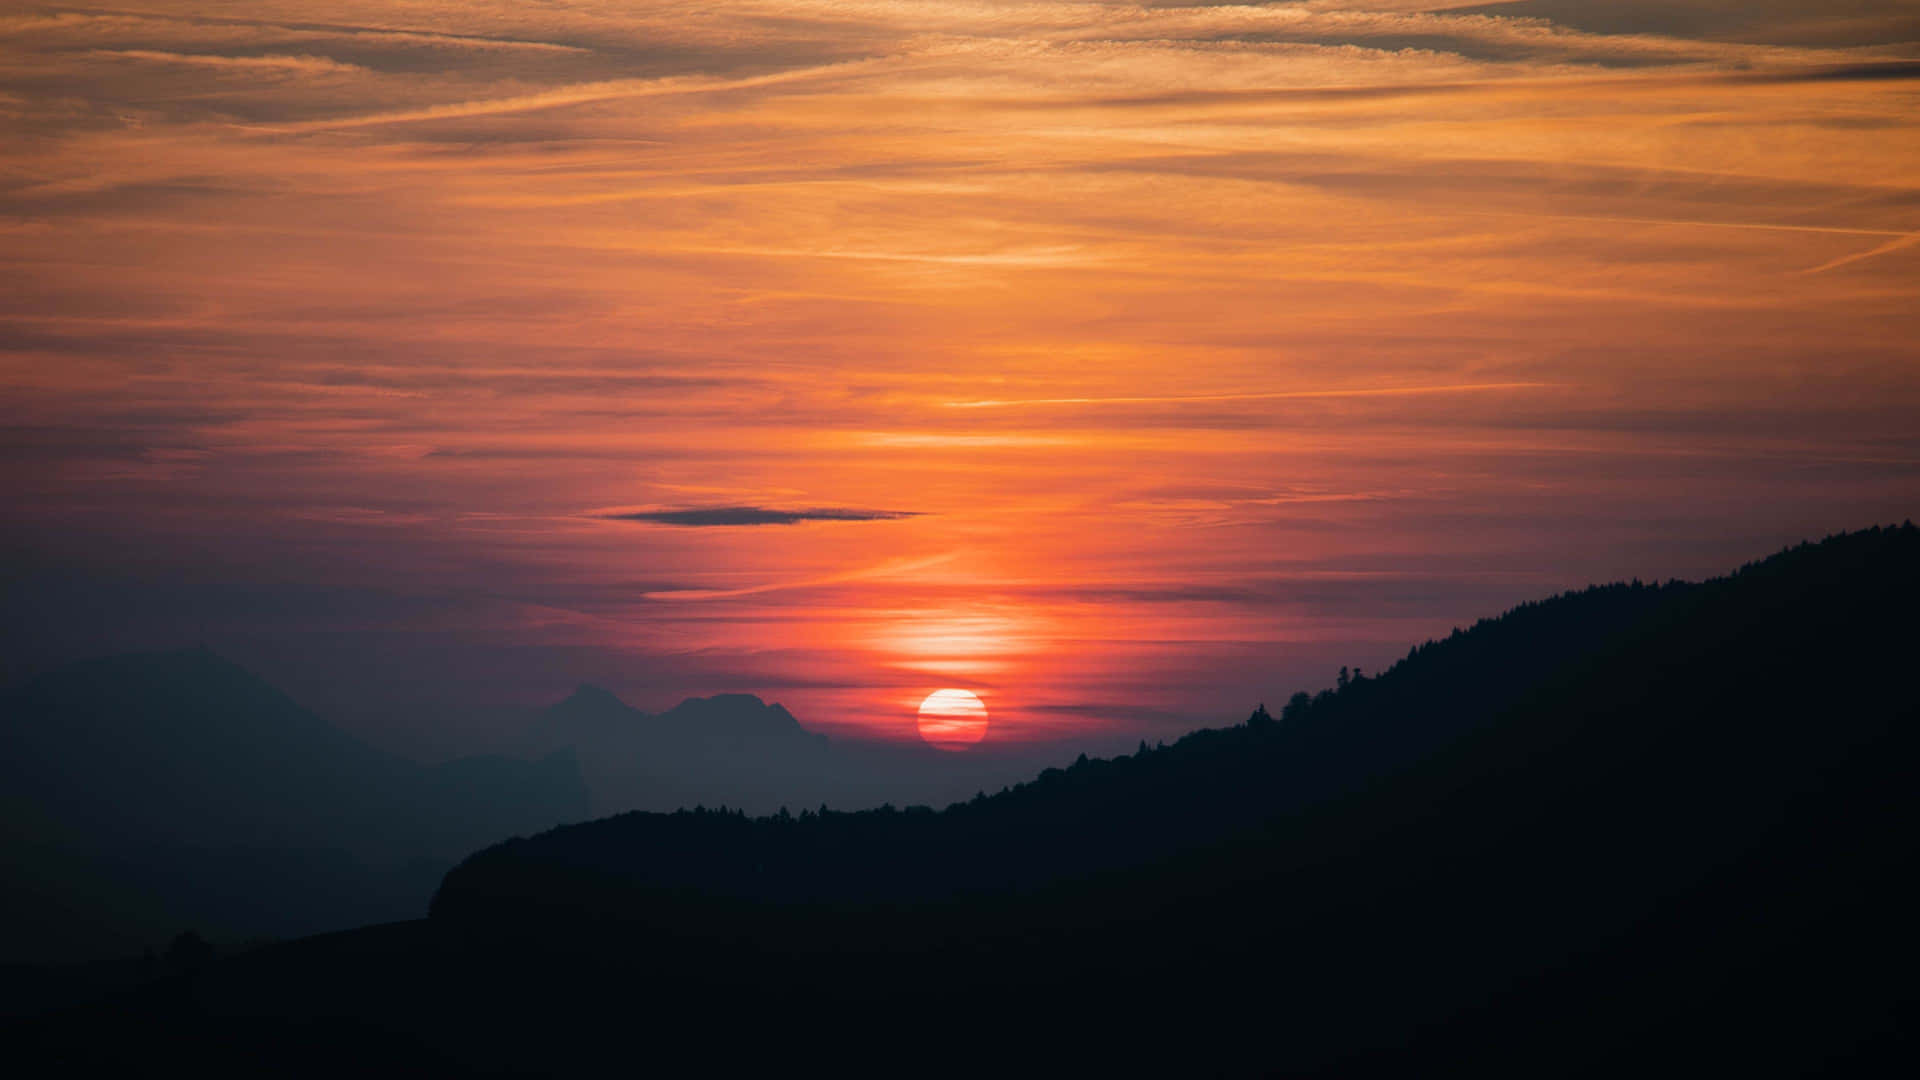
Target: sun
<point>953,719</point>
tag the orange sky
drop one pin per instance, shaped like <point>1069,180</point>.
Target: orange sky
<point>1120,363</point>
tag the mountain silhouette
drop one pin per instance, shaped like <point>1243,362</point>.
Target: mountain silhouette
<point>588,716</point>
<point>167,789</point>
<point>738,750</point>
<point>1638,826</point>
<point>592,714</point>
<point>733,716</point>
<point>725,748</point>
<point>592,708</point>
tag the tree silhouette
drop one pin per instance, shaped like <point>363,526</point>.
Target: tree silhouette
<point>1296,707</point>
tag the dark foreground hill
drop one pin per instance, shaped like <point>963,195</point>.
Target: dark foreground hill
<point>1640,827</point>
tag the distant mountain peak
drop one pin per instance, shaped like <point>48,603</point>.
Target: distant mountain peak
<point>732,714</point>
<point>591,699</point>
<point>588,695</point>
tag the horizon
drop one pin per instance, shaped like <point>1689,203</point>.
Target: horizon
<point>1124,366</point>
<point>508,737</point>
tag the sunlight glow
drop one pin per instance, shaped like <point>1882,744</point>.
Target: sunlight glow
<point>953,719</point>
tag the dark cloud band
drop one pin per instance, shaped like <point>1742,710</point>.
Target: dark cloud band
<point>710,516</point>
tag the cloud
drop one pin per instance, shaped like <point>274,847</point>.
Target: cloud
<point>1889,71</point>
<point>722,516</point>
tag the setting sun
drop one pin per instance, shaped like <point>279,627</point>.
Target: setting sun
<point>953,719</point>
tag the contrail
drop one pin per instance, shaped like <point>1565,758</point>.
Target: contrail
<point>563,96</point>
<point>1908,240</point>
<point>1900,239</point>
<point>885,569</point>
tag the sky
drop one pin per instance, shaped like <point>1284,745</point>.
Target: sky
<point>1126,365</point>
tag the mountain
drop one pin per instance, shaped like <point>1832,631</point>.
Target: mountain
<point>149,792</point>
<point>592,715</point>
<point>587,717</point>
<point>590,711</point>
<point>1662,826</point>
<point>740,751</point>
<point>728,748</point>
<point>732,716</point>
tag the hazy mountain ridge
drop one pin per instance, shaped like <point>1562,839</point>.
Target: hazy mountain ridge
<point>593,714</point>
<point>728,748</point>
<point>738,750</point>
<point>734,716</point>
<point>163,790</point>
<point>150,792</point>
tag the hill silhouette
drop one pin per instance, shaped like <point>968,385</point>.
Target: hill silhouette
<point>149,792</point>
<point>1638,826</point>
